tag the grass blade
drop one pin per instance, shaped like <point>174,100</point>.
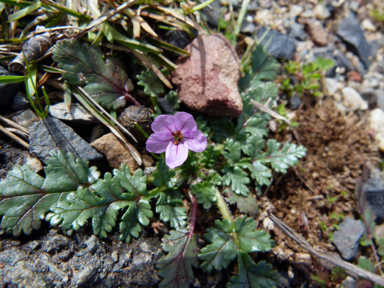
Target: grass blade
<point>24,12</point>
<point>11,79</point>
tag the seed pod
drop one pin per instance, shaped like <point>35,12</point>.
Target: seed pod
<point>33,48</point>
<point>135,114</point>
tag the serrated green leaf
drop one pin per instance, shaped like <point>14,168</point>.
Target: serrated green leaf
<point>205,193</point>
<point>232,151</point>
<point>211,176</point>
<point>26,197</point>
<point>222,128</point>
<point>222,251</point>
<point>102,201</point>
<point>136,214</point>
<point>104,80</point>
<point>163,176</point>
<point>209,157</point>
<point>173,99</point>
<point>171,208</point>
<point>259,172</point>
<point>281,159</point>
<point>251,240</point>
<point>263,92</point>
<point>263,68</point>
<point>366,264</point>
<point>245,204</point>
<point>256,126</point>
<point>202,125</point>
<point>252,275</point>
<point>176,267</point>
<point>151,83</point>
<point>237,179</point>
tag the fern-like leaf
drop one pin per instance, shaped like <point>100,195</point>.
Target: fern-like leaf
<point>252,275</point>
<point>26,197</point>
<point>176,267</point>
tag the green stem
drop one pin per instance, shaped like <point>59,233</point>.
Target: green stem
<point>223,208</point>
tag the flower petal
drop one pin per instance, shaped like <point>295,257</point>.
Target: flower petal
<point>164,123</point>
<point>185,122</point>
<point>195,140</point>
<point>158,142</point>
<point>175,155</point>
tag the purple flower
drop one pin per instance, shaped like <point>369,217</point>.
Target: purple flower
<point>176,135</point>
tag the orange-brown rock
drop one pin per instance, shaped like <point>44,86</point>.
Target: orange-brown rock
<point>207,79</point>
<point>115,152</point>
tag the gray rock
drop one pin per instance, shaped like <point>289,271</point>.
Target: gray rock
<point>350,31</point>
<point>76,113</point>
<point>280,45</point>
<point>294,101</point>
<point>213,13</point>
<point>374,191</point>
<point>85,275</point>
<point>347,237</point>
<point>370,95</point>
<point>378,67</point>
<point>92,244</point>
<point>164,105</point>
<point>11,256</point>
<point>19,101</point>
<point>375,46</point>
<point>297,31</point>
<point>349,282</point>
<point>342,61</point>
<point>33,245</point>
<point>55,243</point>
<point>247,27</point>
<point>52,134</point>
<point>7,91</point>
<point>380,98</point>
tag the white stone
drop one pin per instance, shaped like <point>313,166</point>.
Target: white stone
<point>295,11</point>
<point>321,12</point>
<point>76,112</point>
<point>353,100</point>
<point>376,122</point>
<point>26,118</point>
<point>366,24</point>
<point>330,86</point>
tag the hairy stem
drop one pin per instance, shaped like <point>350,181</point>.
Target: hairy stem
<point>223,206</point>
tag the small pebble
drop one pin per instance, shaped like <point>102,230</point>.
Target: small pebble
<point>115,256</point>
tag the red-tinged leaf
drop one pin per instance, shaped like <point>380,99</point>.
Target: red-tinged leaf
<point>176,267</point>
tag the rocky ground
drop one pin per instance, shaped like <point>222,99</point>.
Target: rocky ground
<point>342,129</point>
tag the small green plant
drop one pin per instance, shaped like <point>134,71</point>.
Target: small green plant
<point>379,16</point>
<point>236,158</point>
<point>304,78</point>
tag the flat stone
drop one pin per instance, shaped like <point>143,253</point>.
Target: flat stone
<point>52,134</point>
<point>76,113</point>
<point>85,275</point>
<point>26,118</point>
<point>350,31</point>
<point>321,11</point>
<point>353,100</point>
<point>207,79</point>
<point>213,13</point>
<point>115,152</point>
<point>297,31</point>
<point>279,45</point>
<point>295,10</point>
<point>374,192</point>
<point>347,237</point>
<point>349,282</point>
